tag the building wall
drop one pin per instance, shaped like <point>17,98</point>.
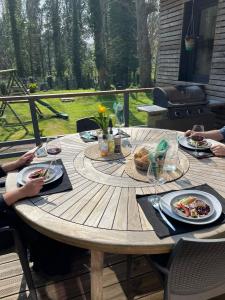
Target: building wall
<point>171,23</point>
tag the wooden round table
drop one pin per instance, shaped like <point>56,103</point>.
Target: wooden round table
<point>101,212</point>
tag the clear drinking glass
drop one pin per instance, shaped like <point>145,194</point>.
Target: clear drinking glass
<point>53,147</point>
<point>197,138</point>
<point>172,152</point>
<point>155,173</point>
<point>119,114</point>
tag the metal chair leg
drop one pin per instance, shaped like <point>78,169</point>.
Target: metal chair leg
<point>25,265</point>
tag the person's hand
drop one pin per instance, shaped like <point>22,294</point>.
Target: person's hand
<point>30,189</point>
<point>191,133</point>
<point>20,162</point>
<point>33,187</point>
<point>218,150</point>
<point>24,160</point>
<point>188,133</point>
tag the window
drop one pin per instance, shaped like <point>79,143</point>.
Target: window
<point>195,65</point>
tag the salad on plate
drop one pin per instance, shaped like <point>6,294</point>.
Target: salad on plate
<point>192,207</point>
<point>38,173</point>
<point>199,143</point>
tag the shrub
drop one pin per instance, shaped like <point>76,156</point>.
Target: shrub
<point>32,87</point>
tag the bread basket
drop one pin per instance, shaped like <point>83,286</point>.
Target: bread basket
<point>141,164</point>
<point>141,159</point>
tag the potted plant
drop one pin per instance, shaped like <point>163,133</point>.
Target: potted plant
<point>190,35</point>
<point>102,119</point>
<point>32,87</point>
<point>189,42</point>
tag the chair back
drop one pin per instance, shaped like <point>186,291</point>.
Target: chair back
<point>196,269</point>
<point>86,124</point>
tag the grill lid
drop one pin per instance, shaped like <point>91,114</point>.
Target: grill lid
<point>178,95</point>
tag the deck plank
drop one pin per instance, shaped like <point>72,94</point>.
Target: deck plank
<point>76,285</point>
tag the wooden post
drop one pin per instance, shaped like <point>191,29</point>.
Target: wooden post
<point>35,121</point>
<point>97,260</point>
<point>126,108</point>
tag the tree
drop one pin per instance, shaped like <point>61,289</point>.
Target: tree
<point>13,8</point>
<point>143,9</point>
<point>6,47</point>
<point>88,43</point>
<point>153,28</point>
<point>123,43</point>
<point>57,41</point>
<point>96,21</point>
<point>76,42</point>
<point>34,36</point>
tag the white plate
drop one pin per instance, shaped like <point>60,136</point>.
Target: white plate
<point>183,141</point>
<point>166,200</point>
<point>193,194</point>
<point>55,172</point>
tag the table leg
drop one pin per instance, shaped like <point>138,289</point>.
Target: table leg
<point>97,260</point>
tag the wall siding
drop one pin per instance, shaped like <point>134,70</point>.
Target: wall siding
<point>171,23</point>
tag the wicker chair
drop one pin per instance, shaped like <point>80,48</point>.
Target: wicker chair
<point>195,269</point>
<point>86,124</point>
<point>23,258</point>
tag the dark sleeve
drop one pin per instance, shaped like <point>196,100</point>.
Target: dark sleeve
<point>2,172</point>
<point>3,205</point>
<point>222,131</point>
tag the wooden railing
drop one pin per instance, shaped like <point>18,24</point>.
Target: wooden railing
<point>34,97</point>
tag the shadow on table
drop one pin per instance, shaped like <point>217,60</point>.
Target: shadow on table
<point>41,201</point>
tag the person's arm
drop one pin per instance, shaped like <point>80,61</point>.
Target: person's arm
<point>2,172</point>
<point>217,135</point>
<point>3,204</point>
<point>20,162</point>
<point>30,189</point>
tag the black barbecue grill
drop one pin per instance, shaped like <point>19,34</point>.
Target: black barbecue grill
<point>186,103</point>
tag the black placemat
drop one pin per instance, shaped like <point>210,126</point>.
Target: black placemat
<point>200,153</point>
<point>162,230</point>
<point>60,185</point>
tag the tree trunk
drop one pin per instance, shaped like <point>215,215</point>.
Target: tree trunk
<point>34,33</point>
<point>143,46</point>
<point>49,54</point>
<point>59,59</point>
<point>100,55</point>
<point>12,7</point>
<point>76,44</point>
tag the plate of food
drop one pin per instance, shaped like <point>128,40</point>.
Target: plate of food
<point>190,143</point>
<point>50,174</point>
<point>191,206</point>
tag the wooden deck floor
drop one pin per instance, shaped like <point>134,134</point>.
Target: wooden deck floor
<point>76,285</point>
<point>145,284</point>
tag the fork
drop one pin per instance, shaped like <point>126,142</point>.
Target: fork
<point>155,204</point>
<point>46,171</point>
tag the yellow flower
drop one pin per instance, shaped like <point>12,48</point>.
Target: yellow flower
<point>101,109</point>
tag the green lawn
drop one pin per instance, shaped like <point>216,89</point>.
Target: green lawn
<point>81,107</point>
